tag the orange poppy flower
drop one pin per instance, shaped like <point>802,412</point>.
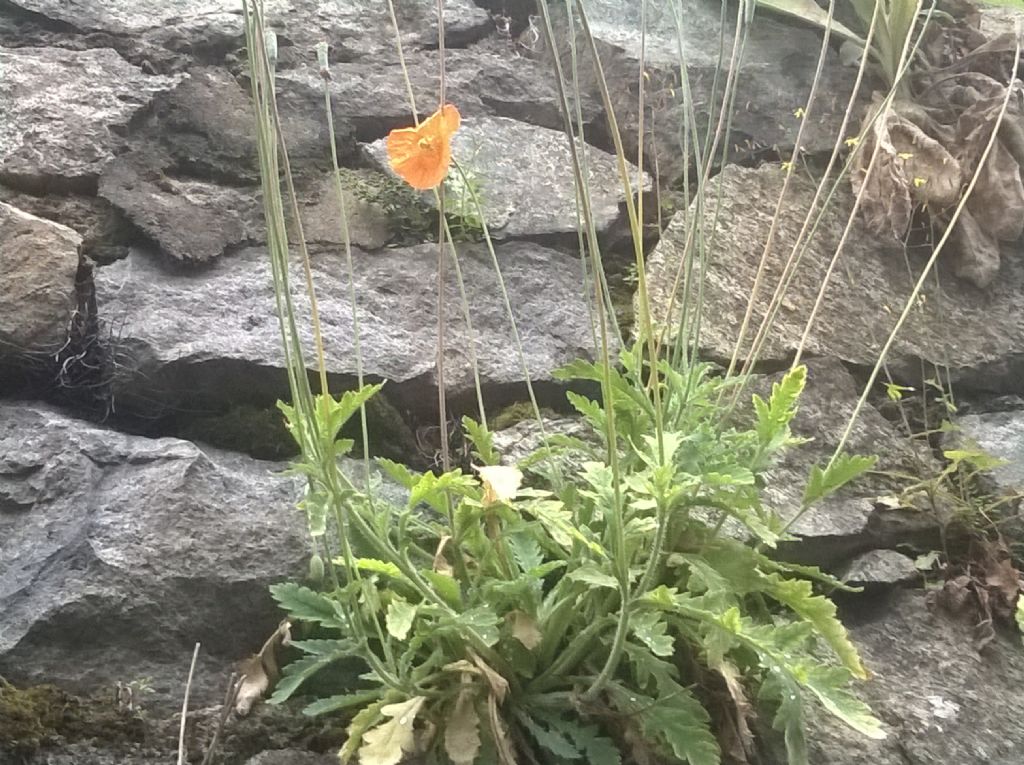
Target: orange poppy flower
<point>421,155</point>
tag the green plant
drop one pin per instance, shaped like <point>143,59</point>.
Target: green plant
<point>583,619</point>
<point>491,619</point>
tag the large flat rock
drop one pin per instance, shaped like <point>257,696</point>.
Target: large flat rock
<point>977,334</point>
<point>483,80</point>
<point>355,27</point>
<point>38,268</point>
<point>65,112</point>
<point>941,701</point>
<point>118,553</point>
<point>774,80</point>
<point>524,177</point>
<point>195,338</point>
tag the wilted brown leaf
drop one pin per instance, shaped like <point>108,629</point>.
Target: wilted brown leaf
<point>741,744</point>
<point>462,730</point>
<point>260,671</point>
<point>502,743</point>
<point>499,685</point>
<point>388,742</point>
<point>977,253</point>
<point>441,564</point>
<point>524,629</point>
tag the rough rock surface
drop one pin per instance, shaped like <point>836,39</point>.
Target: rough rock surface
<point>529,191</point>
<point>483,80</point>
<point>196,221</point>
<point>292,757</point>
<point>776,72</point>
<point>190,220</point>
<point>940,700</point>
<point>118,553</point>
<point>38,267</point>
<point>195,338</point>
<point>104,232</point>
<point>64,112</point>
<point>880,567</point>
<point>359,27</point>
<point>978,334</point>
<point>1000,434</point>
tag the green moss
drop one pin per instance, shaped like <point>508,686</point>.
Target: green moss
<point>516,413</point>
<point>412,219</point>
<point>245,428</point>
<point>43,714</point>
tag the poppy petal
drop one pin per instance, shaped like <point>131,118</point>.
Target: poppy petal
<point>421,155</point>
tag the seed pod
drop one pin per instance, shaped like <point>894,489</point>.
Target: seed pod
<point>316,568</point>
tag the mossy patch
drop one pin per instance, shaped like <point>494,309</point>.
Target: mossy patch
<point>516,413</point>
<point>43,715</point>
<point>412,220</point>
<point>259,432</point>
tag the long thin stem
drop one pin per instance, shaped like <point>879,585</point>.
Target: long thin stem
<point>184,707</point>
<point>442,239</point>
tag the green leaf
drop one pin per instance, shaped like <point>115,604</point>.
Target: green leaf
<point>830,685</point>
<point>333,413</point>
<point>590,573</point>
<point>435,489</point>
<point>298,672</point>
<point>482,620</point>
<point>324,647</point>
<point>680,720</point>
<point>774,416</point>
<point>376,566</point>
<point>647,667</point>
<point>591,410</point>
<point>482,440</point>
<point>1019,615</point>
<point>798,595</point>
<point>445,586</point>
<point>308,605</point>
<point>650,629</point>
<point>558,521</point>
<point>597,749</point>
<point>844,469</point>
<point>398,472</point>
<point>342,701</point>
<point>525,550</point>
<point>550,739</point>
<point>789,715</point>
<point>316,504</point>
<point>399,618</point>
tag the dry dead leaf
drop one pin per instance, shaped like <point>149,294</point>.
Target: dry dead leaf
<point>441,564</point>
<point>388,743</point>
<point>499,685</point>
<point>260,671</point>
<point>462,731</point>
<point>502,743</point>
<point>524,629</point>
<point>742,712</point>
<point>977,253</point>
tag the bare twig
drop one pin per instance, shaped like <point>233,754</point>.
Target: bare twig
<point>234,686</point>
<point>184,707</point>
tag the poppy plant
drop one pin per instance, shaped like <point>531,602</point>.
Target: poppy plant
<point>421,155</point>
